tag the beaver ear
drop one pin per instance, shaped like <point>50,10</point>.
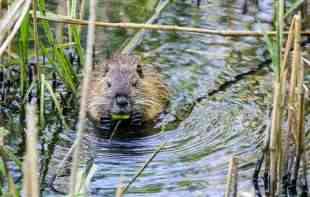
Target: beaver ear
<point>140,71</point>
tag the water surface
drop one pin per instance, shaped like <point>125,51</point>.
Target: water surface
<point>201,137</point>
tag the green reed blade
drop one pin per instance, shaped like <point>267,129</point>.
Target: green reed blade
<point>273,53</point>
<point>23,46</point>
<point>57,104</point>
<point>58,57</point>
<point>32,85</point>
<point>293,8</point>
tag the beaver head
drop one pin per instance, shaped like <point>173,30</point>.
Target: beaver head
<point>122,76</point>
<point>122,86</point>
<point>119,89</point>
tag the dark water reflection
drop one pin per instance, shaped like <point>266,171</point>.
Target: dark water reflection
<point>195,160</point>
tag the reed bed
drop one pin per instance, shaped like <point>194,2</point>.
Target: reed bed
<point>285,150</point>
<point>44,62</point>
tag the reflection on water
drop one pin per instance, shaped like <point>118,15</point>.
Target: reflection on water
<point>195,160</point>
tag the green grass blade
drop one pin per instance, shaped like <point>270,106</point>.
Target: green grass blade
<point>32,85</point>
<point>57,104</point>
<point>293,8</point>
<point>272,51</point>
<point>23,45</point>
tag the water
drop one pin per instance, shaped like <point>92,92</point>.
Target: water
<point>201,138</point>
<point>195,160</point>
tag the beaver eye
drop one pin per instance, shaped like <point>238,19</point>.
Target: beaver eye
<point>140,71</point>
<point>135,83</point>
<point>109,84</point>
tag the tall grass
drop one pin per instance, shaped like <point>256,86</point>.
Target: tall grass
<point>37,58</point>
<point>40,59</point>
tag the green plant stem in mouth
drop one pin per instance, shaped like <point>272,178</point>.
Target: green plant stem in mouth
<point>120,117</point>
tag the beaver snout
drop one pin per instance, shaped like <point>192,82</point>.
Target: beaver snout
<point>121,105</point>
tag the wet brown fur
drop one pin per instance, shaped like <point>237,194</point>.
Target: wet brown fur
<point>150,95</point>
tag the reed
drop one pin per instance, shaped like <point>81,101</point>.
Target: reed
<point>83,100</point>
<point>276,126</point>
<point>173,28</point>
<point>18,12</point>
<point>286,146</point>
<point>296,112</point>
<point>285,134</point>
<point>122,190</point>
<point>74,31</point>
<point>57,57</point>
<point>5,156</point>
<point>30,164</point>
<point>295,7</point>
<point>23,46</point>
<point>138,37</point>
<point>232,178</point>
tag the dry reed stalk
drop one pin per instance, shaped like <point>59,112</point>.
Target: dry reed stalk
<point>138,37</point>
<point>123,190</point>
<point>82,13</point>
<point>83,101</point>
<point>6,22</point>
<point>292,121</point>
<point>65,19</point>
<point>232,178</point>
<point>16,27</point>
<point>294,139</point>
<point>276,147</point>
<point>82,10</point>
<point>84,178</point>
<point>293,81</point>
<point>61,166</point>
<point>119,191</point>
<point>298,127</point>
<point>285,133</point>
<point>275,129</point>
<point>30,165</point>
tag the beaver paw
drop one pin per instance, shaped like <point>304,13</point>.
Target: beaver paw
<point>136,119</point>
<point>106,123</point>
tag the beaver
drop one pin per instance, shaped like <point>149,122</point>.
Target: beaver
<point>123,86</point>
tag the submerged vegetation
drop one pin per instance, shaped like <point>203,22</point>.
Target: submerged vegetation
<point>41,74</point>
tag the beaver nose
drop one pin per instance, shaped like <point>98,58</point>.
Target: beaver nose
<point>122,101</point>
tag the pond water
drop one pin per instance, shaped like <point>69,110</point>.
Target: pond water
<point>201,137</point>
<point>206,135</point>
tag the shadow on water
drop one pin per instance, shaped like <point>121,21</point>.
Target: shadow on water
<point>200,139</point>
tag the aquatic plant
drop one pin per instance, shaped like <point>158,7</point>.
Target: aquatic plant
<point>49,74</point>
